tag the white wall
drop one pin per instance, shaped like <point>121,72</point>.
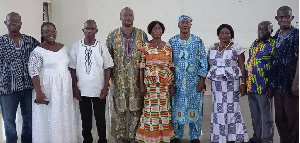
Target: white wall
<point>31,12</point>
<point>243,15</point>
<point>69,16</point>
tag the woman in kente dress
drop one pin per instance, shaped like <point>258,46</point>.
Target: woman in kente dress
<point>156,85</point>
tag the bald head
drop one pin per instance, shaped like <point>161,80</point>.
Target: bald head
<point>267,24</point>
<point>265,28</point>
<point>12,14</point>
<point>90,22</point>
<point>126,9</point>
<point>285,9</point>
<point>90,29</point>
<point>284,17</point>
<point>13,22</point>
<point>127,17</point>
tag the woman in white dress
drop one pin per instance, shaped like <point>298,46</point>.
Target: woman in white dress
<point>53,112</point>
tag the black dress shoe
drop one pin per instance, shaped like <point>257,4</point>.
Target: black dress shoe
<point>132,141</point>
<point>176,140</point>
<point>253,140</point>
<point>120,140</point>
<point>102,141</point>
<point>195,141</point>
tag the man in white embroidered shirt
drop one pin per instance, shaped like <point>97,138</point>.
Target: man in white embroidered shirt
<point>91,64</point>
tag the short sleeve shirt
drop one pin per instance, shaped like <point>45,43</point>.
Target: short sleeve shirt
<point>14,63</point>
<point>90,62</point>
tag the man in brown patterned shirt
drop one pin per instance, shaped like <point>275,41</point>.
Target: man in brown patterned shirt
<point>124,45</point>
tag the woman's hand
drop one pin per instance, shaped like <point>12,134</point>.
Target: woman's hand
<point>243,89</point>
<point>172,90</point>
<point>143,90</point>
<point>201,87</point>
<point>40,97</point>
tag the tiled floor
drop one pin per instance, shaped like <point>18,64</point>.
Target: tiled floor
<point>205,137</point>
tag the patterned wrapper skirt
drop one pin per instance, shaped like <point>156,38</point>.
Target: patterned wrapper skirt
<point>227,123</point>
<point>155,123</point>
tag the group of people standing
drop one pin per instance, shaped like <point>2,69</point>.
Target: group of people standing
<point>158,86</point>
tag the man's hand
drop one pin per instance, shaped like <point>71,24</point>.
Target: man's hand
<point>295,89</point>
<point>270,93</point>
<point>104,92</point>
<point>143,90</point>
<point>77,94</point>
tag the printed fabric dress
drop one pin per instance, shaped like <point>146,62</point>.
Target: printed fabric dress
<point>227,123</point>
<point>55,122</point>
<point>155,123</point>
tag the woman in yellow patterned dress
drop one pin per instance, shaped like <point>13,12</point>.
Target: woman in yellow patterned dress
<point>156,85</point>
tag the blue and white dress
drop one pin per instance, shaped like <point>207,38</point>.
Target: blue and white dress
<point>227,123</point>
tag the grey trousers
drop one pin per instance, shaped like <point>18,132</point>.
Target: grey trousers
<point>262,120</point>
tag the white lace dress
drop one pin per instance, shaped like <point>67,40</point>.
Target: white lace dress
<point>55,122</point>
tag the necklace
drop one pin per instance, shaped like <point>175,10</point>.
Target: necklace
<point>224,48</point>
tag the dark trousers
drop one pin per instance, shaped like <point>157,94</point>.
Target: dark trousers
<point>9,105</point>
<point>287,117</point>
<point>86,109</point>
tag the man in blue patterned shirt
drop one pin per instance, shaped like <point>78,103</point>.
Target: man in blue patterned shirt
<point>258,67</point>
<point>283,69</point>
<point>15,83</point>
<point>190,63</point>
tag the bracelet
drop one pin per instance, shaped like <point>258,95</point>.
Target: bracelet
<point>243,83</point>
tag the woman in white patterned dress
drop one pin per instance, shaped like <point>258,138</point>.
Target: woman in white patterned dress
<point>53,122</point>
<point>226,60</point>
